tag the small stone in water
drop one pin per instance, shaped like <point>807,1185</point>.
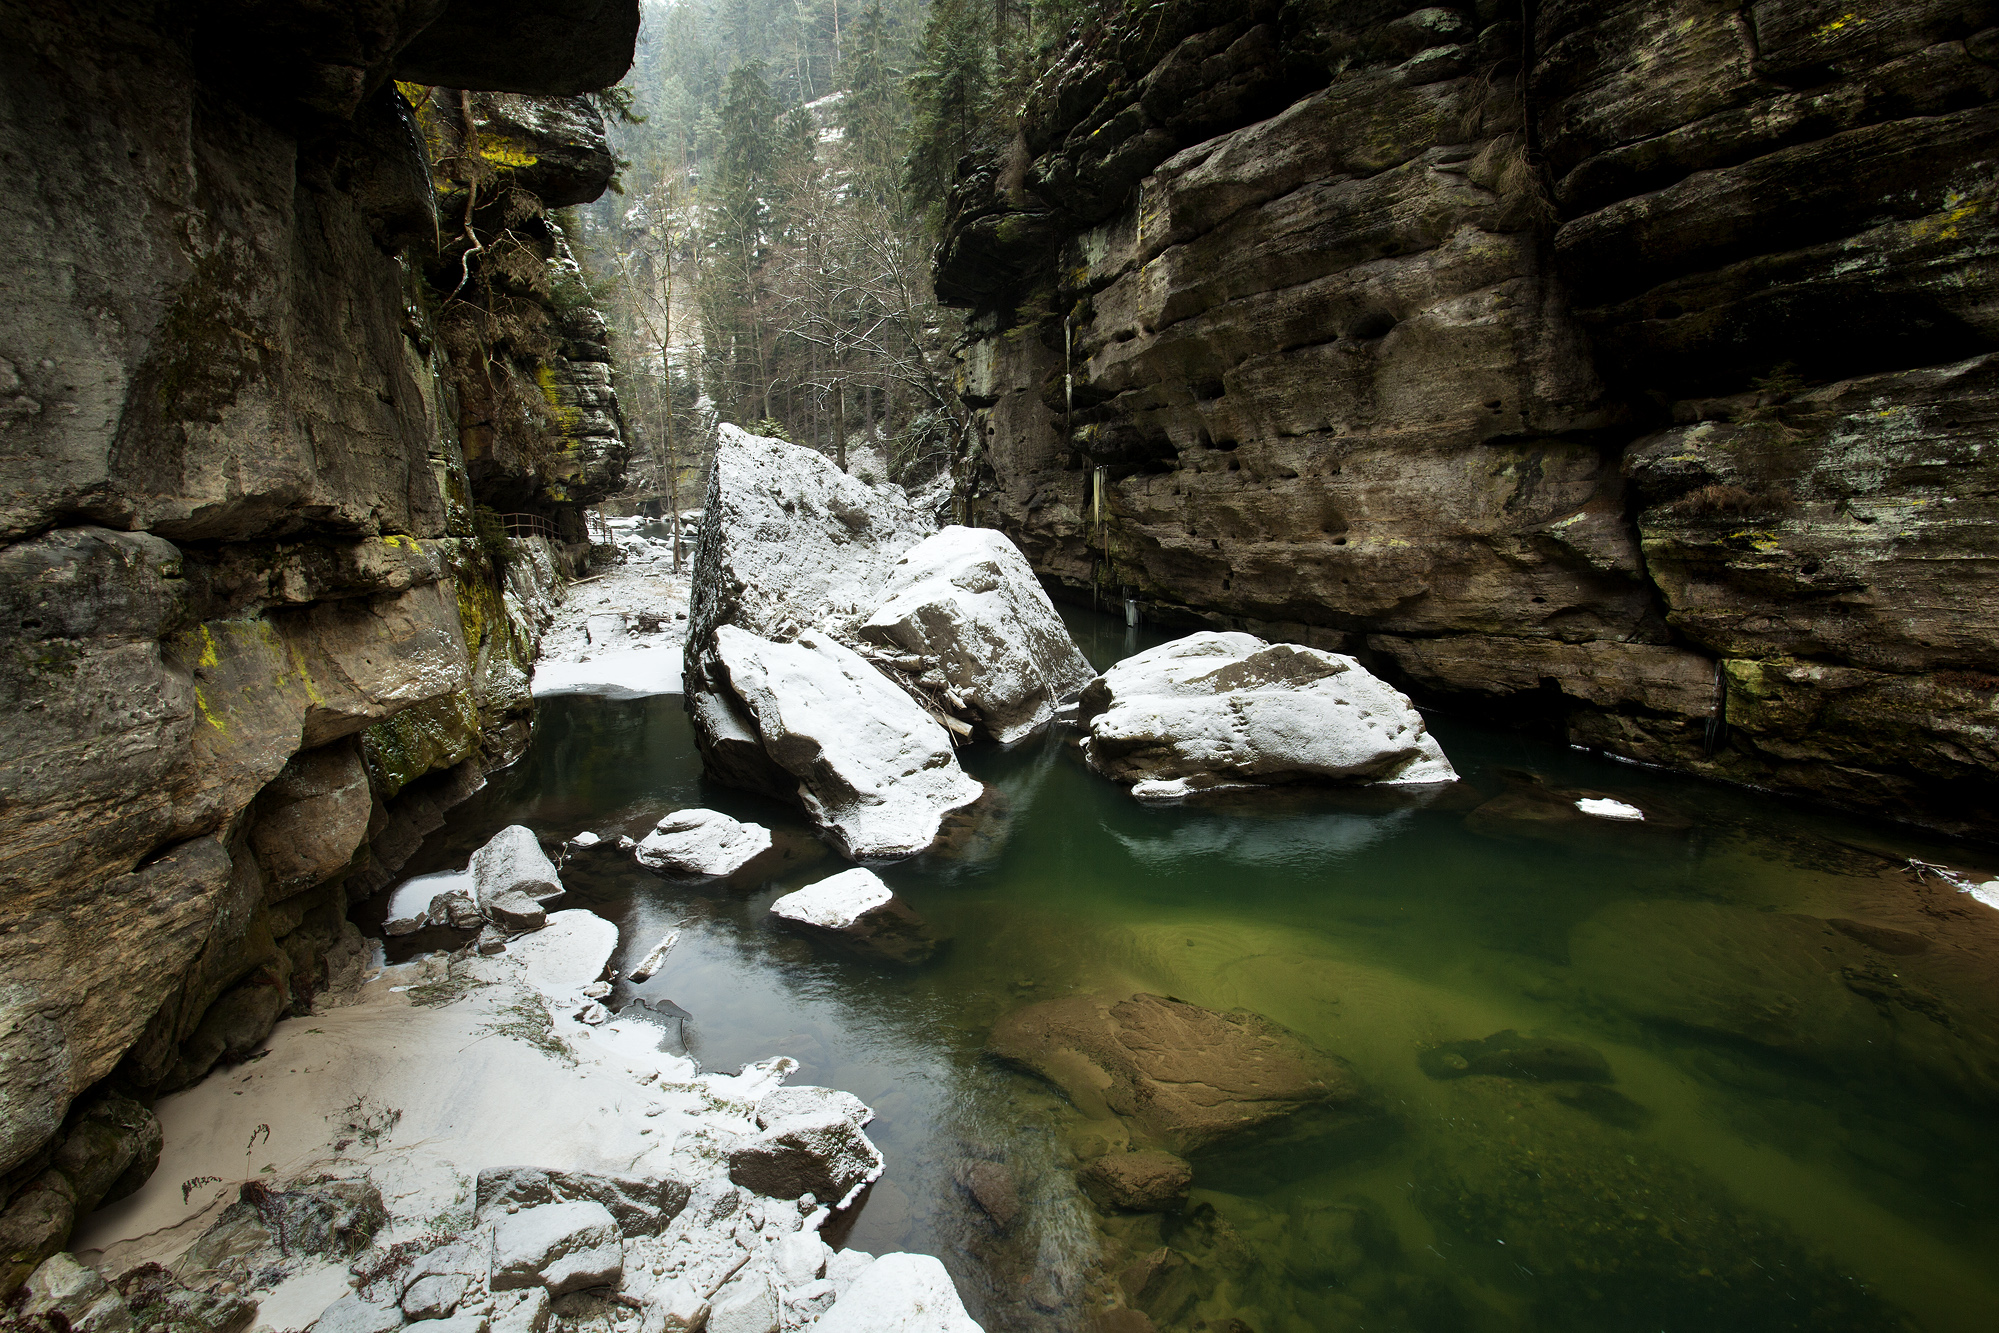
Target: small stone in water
<point>1605,808</point>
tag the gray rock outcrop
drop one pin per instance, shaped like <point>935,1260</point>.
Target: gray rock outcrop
<point>1212,710</point>
<point>256,639</point>
<point>1524,360</point>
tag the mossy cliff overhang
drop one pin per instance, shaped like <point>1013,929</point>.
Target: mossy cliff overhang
<point>552,47</point>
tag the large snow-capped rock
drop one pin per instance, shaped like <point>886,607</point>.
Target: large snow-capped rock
<point>795,553</point>
<point>786,539</point>
<point>870,766</point>
<point>1217,709</point>
<point>966,604</point>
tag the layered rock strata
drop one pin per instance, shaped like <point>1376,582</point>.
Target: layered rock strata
<point>1624,368</point>
<point>257,634</point>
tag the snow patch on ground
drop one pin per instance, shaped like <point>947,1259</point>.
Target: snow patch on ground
<point>621,633</point>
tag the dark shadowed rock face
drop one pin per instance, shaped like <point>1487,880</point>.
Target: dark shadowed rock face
<point>251,642</point>
<point>1640,396</point>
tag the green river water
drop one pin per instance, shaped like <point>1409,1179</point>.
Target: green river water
<point>1803,1036</point>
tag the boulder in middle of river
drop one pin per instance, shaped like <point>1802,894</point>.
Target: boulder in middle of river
<point>1217,710</point>
<point>870,766</point>
<point>701,842</point>
<point>1188,1077</point>
<point>859,913</point>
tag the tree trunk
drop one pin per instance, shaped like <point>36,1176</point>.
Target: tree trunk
<point>840,423</point>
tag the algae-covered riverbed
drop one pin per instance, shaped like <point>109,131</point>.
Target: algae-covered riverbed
<point>1734,1070</point>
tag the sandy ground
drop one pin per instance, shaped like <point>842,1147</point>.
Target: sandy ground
<point>621,632</point>
<point>439,1069</point>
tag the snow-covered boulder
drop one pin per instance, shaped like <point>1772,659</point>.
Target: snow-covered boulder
<point>900,1293</point>
<point>869,765</point>
<point>564,1247</point>
<point>858,912</point>
<point>509,868</point>
<point>786,537</point>
<point>701,842</point>
<point>821,1153</point>
<point>1217,709</point>
<point>988,641</point>
<point>795,553</point>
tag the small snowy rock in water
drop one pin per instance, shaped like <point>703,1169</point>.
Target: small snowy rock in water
<point>513,860</point>
<point>855,910</point>
<point>871,767</point>
<point>653,961</point>
<point>594,1014</point>
<point>701,842</point>
<point>899,1293</point>
<point>1605,808</point>
<point>967,600</point>
<point>1217,709</point>
<point>585,839</point>
<point>562,1246</point>
<point>835,903</point>
<point>596,990</point>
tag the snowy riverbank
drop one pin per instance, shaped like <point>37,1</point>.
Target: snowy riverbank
<point>620,633</point>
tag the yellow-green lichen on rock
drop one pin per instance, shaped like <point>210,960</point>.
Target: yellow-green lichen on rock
<point>419,740</point>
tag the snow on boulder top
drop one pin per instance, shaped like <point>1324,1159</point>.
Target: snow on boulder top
<point>834,903</point>
<point>872,767</point>
<point>1605,808</point>
<point>966,601</point>
<point>513,859</point>
<point>701,842</point>
<point>1214,708</point>
<point>785,536</point>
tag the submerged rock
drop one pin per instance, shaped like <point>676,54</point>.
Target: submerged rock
<point>701,842</point>
<point>1189,1077</point>
<point>858,912</point>
<point>1509,1055</point>
<point>870,766</point>
<point>1531,808</point>
<point>966,605</point>
<point>1214,709</point>
<point>1139,1182</point>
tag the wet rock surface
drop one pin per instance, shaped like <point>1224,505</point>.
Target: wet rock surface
<point>1188,1077</point>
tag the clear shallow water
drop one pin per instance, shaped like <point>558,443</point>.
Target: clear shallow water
<point>1798,1135</point>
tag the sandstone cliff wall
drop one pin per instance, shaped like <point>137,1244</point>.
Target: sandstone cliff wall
<point>260,624</point>
<point>1625,367</point>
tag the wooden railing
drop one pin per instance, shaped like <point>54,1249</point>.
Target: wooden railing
<point>528,525</point>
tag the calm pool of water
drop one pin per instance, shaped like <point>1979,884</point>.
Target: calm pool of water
<point>1803,1038</point>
